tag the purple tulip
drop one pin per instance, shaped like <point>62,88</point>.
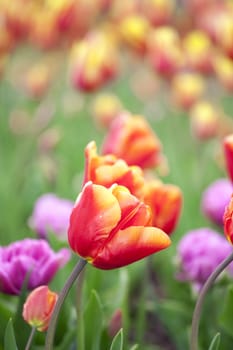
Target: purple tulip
<point>29,257</point>
<point>215,198</point>
<point>51,214</point>
<point>199,252</point>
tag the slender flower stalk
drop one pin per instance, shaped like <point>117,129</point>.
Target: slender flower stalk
<point>30,339</point>
<point>52,325</point>
<point>198,308</point>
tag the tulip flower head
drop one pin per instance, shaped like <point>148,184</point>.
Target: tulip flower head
<point>51,214</point>
<point>223,68</point>
<point>105,108</point>
<point>93,62</point>
<point>39,306</point>
<point>133,31</point>
<point>187,88</point>
<point>198,51</point>
<point>204,120</point>
<point>164,51</point>
<point>111,228</point>
<point>32,259</point>
<point>200,251</point>
<point>165,201</point>
<point>131,138</point>
<point>108,169</point>
<point>158,12</point>
<point>215,199</point>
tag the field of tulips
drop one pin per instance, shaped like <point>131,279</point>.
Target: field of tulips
<point>116,170</point>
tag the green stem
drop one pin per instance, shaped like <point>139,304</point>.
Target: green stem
<point>30,339</point>
<point>198,308</point>
<point>70,281</point>
<point>79,311</point>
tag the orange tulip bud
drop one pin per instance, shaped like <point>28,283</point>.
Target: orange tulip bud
<point>110,228</point>
<point>228,221</point>
<point>38,307</point>
<point>131,138</point>
<point>108,169</point>
<point>165,201</point>
<point>228,151</point>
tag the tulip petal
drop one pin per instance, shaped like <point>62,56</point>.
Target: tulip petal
<point>134,212</point>
<point>6,283</point>
<point>228,151</point>
<point>165,201</point>
<point>130,245</point>
<point>96,213</point>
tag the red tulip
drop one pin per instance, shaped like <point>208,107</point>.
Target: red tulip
<point>111,228</point>
<point>228,221</point>
<point>228,149</point>
<point>131,138</point>
<point>165,201</point>
<point>108,169</point>
<point>39,306</point>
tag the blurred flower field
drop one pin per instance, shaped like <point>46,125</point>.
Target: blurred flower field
<point>115,149</point>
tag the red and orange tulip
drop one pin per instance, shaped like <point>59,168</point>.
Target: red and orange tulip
<point>38,307</point>
<point>165,201</point>
<point>111,228</point>
<point>164,51</point>
<point>108,169</point>
<point>228,221</point>
<point>228,150</point>
<point>94,62</point>
<point>131,138</point>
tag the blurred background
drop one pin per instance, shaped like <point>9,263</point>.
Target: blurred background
<point>67,69</point>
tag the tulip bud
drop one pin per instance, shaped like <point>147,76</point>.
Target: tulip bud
<point>164,51</point>
<point>37,80</point>
<point>134,30</point>
<point>105,108</point>
<point>93,62</point>
<point>198,51</point>
<point>223,67</point>
<point>225,34</point>
<point>204,120</point>
<point>158,12</point>
<point>115,323</point>
<point>187,88</point>
<point>39,307</point>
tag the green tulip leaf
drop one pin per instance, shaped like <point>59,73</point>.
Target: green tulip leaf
<point>226,317</point>
<point>134,347</point>
<point>215,342</point>
<point>9,338</point>
<point>93,322</point>
<point>117,342</point>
